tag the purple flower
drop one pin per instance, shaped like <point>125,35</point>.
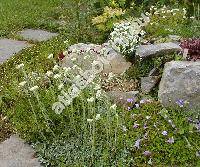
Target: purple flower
<point>130,100</point>
<point>180,102</point>
<point>145,126</point>
<point>190,120</point>
<point>198,125</point>
<point>170,140</point>
<point>137,143</point>
<point>164,133</point>
<point>147,153</point>
<point>135,125</point>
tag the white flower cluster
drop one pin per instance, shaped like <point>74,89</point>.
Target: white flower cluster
<point>164,12</point>
<point>126,36</point>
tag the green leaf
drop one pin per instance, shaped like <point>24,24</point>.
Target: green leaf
<point>181,131</point>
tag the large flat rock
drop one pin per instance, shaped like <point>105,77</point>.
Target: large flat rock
<point>36,35</point>
<point>15,153</point>
<point>9,47</point>
<point>145,51</point>
<point>87,54</point>
<point>180,82</point>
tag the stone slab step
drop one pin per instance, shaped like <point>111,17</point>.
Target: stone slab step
<point>15,153</point>
<point>9,47</point>
<point>36,35</point>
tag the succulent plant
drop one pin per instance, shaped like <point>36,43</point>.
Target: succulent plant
<point>193,48</point>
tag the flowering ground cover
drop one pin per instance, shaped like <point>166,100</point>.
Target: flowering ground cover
<point>66,114</point>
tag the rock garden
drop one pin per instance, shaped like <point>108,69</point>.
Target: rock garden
<point>100,83</point>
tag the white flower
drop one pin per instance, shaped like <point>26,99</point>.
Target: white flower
<point>60,86</point>
<point>74,67</point>
<point>34,88</point>
<point>50,56</point>
<point>124,128</point>
<point>148,117</point>
<point>90,100</point>
<point>98,94</point>
<point>22,83</point>
<point>56,68</point>
<point>20,66</point>
<point>98,116</point>
<point>137,105</point>
<point>113,107</point>
<point>110,76</point>
<point>49,73</point>
<point>86,57</point>
<point>97,87</point>
<point>66,41</point>
<point>65,53</point>
<point>66,70</point>
<point>89,120</point>
<point>142,101</point>
<point>150,161</point>
<point>57,76</point>
<point>74,59</point>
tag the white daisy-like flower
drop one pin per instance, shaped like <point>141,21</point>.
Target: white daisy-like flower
<point>98,116</point>
<point>22,83</point>
<point>49,73</point>
<point>66,41</point>
<point>20,66</point>
<point>57,76</point>
<point>34,88</point>
<point>90,100</point>
<point>74,59</point>
<point>89,120</point>
<point>148,117</point>
<point>50,56</point>
<point>66,70</point>
<point>97,87</point>
<point>113,107</point>
<point>60,86</point>
<point>98,94</point>
<point>56,68</point>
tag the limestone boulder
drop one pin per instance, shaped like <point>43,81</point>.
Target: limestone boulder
<point>180,83</point>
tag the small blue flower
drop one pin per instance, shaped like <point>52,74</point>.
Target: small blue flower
<point>170,140</point>
<point>180,102</point>
<point>137,143</point>
<point>130,100</point>
<point>147,153</point>
<point>164,133</point>
<point>135,125</point>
